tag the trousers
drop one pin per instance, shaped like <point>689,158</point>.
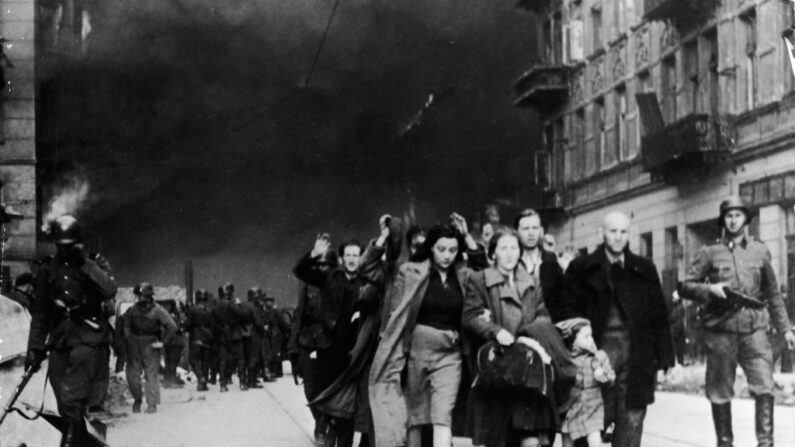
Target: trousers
<point>628,421</point>
<point>142,358</point>
<point>73,373</point>
<point>725,350</point>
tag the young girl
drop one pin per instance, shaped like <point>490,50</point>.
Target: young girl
<point>584,409</point>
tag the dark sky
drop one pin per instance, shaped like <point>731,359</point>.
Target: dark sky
<point>177,118</point>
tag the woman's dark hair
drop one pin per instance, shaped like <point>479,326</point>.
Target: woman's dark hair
<point>349,243</point>
<point>502,232</point>
<point>439,232</point>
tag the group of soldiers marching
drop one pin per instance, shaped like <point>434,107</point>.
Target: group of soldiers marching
<point>71,309</point>
<point>224,336</point>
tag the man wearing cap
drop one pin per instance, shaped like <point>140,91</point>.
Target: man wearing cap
<point>147,325</point>
<point>68,319</point>
<point>199,326</point>
<point>735,329</point>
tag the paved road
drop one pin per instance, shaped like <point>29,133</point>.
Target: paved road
<point>276,416</point>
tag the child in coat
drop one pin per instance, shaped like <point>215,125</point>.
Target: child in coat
<point>584,408</point>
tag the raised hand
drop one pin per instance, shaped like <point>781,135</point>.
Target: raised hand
<point>322,245</point>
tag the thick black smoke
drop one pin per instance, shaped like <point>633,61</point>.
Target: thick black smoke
<point>193,125</point>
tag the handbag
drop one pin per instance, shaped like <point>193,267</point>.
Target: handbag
<point>514,369</point>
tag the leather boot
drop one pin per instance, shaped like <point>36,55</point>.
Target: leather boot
<point>71,436</point>
<point>764,420</point>
<point>722,417</point>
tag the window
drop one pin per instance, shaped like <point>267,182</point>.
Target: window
<point>749,24</point>
<point>596,27</point>
<point>645,249</point>
<point>713,81</point>
<point>789,49</point>
<point>644,86</point>
<point>622,149</point>
<point>599,131</point>
<point>668,89</point>
<point>691,76</point>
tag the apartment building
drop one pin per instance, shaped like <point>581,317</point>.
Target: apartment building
<point>661,108</point>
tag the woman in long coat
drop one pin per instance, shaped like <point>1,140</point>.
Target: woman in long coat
<point>504,304</point>
<point>390,388</point>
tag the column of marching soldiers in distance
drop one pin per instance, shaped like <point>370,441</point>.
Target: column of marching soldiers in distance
<point>225,336</point>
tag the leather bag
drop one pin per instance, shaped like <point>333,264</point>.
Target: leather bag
<point>515,369</point>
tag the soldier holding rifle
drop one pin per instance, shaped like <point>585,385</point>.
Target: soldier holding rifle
<point>736,287</point>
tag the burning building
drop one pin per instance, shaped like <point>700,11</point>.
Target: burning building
<point>662,108</point>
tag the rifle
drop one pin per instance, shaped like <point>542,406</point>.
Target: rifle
<point>739,299</point>
<point>15,395</point>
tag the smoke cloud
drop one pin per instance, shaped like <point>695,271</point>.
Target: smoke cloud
<point>191,122</point>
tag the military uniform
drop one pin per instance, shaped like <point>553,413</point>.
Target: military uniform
<point>199,325</point>
<point>229,320</point>
<point>173,348</point>
<point>276,333</point>
<point>68,320</point>
<point>737,334</point>
<point>146,323</point>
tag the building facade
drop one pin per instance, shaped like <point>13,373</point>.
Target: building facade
<point>660,109</point>
<point>18,132</point>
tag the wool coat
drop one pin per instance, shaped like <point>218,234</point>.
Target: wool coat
<point>387,401</point>
<point>588,293</point>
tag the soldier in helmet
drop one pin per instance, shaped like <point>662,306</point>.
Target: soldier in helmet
<point>147,325</point>
<point>253,343</point>
<point>69,321</point>
<point>735,330</point>
<point>276,332</point>
<point>230,319</point>
<point>199,326</point>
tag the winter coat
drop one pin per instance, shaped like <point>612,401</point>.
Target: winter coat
<point>589,294</point>
<point>387,400</point>
<point>492,416</point>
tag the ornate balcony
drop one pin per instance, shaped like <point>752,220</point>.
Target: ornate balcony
<point>543,86</point>
<point>679,10</point>
<point>692,143</point>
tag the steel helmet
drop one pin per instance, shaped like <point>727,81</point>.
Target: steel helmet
<point>200,295</point>
<point>66,230</point>
<point>734,203</point>
<point>226,290</point>
<point>254,292</point>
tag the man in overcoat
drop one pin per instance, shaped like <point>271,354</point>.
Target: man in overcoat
<point>621,295</point>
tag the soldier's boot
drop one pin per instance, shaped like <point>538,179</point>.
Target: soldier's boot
<point>72,435</point>
<point>151,408</point>
<point>722,417</point>
<point>137,406</point>
<point>764,420</point>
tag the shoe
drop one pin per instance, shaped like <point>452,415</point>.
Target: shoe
<point>137,406</point>
<point>254,384</point>
<point>243,387</point>
<point>224,389</point>
<point>179,381</point>
<point>151,409</point>
<point>211,381</point>
<point>202,387</point>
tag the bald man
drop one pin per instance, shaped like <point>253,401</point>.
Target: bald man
<point>620,293</point>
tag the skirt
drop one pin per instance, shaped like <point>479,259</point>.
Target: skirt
<point>433,376</point>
